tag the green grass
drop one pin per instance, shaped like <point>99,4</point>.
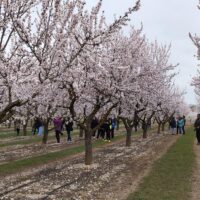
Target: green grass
<point>170,178</point>
<point>11,133</point>
<point>20,165</point>
<point>34,139</point>
<point>23,142</point>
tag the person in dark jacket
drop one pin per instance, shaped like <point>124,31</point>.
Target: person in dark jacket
<point>107,129</point>
<point>69,128</point>
<point>62,126</point>
<point>177,127</point>
<point>36,125</point>
<point>94,124</point>
<point>18,126</point>
<point>34,130</point>
<point>197,128</point>
<point>113,125</point>
<point>184,124</point>
<point>173,125</point>
<point>101,132</point>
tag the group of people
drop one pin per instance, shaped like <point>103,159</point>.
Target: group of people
<point>181,123</point>
<point>177,125</point>
<point>59,125</point>
<point>104,131</point>
<point>37,127</point>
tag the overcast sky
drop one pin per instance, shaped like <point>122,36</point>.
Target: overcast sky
<point>169,22</point>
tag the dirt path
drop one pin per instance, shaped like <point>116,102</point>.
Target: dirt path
<point>16,152</point>
<point>115,173</point>
<point>195,195</point>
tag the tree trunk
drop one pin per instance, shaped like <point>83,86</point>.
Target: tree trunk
<point>81,132</point>
<point>24,129</point>
<point>88,147</point>
<point>136,127</point>
<point>128,137</point>
<point>145,128</point>
<point>159,127</point>
<point>46,131</point>
<point>9,124</point>
<point>118,122</point>
<point>25,124</point>
<point>15,125</point>
<point>163,126</point>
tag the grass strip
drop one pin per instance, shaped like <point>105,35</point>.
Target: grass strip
<point>11,133</point>
<point>24,141</point>
<point>34,139</point>
<point>170,177</point>
<point>37,139</point>
<point>20,165</point>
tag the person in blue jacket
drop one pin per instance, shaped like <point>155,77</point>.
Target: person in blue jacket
<point>180,125</point>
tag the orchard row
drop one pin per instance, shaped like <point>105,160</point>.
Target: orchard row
<point>59,59</point>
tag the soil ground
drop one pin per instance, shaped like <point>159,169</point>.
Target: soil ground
<point>195,194</point>
<point>21,151</point>
<point>16,152</point>
<point>116,172</point>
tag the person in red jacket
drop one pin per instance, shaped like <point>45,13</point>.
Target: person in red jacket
<point>58,128</point>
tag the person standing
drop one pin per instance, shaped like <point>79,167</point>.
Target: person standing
<point>180,125</point>
<point>37,126</point>
<point>100,132</point>
<point>197,128</point>
<point>37,123</point>
<point>177,128</point>
<point>58,127</point>
<point>69,128</point>
<point>34,127</point>
<point>172,125</point>
<point>113,125</point>
<point>94,124</point>
<point>40,127</point>
<point>107,130</point>
<point>18,126</point>
<point>184,124</point>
